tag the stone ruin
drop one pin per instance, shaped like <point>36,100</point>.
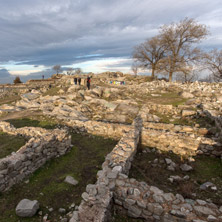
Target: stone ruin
<point>113,186</point>
<point>42,145</point>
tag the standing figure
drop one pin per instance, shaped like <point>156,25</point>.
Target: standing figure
<point>43,76</point>
<point>79,80</point>
<point>75,81</point>
<point>88,82</point>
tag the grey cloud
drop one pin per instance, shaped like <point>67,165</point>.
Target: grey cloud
<point>50,32</point>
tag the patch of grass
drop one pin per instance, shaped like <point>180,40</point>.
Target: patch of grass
<point>170,98</point>
<point>42,121</point>
<point>52,92</point>
<point>47,184</point>
<point>10,143</point>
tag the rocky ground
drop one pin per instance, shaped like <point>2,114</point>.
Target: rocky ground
<point>176,117</point>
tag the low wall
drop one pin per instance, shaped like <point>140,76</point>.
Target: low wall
<point>183,140</point>
<point>42,145</point>
<point>179,143</point>
<point>97,200</point>
<point>111,130</point>
<point>150,203</point>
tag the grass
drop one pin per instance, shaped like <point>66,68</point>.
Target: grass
<point>170,98</point>
<point>10,143</point>
<point>52,92</point>
<point>40,121</point>
<point>206,169</point>
<point>47,184</point>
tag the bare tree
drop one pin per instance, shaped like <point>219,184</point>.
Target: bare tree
<point>178,39</point>
<point>149,53</point>
<point>188,76</point>
<point>134,68</point>
<point>213,61</point>
<point>57,68</point>
<point>78,71</point>
<point>69,71</point>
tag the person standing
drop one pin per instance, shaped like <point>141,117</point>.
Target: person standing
<point>75,81</point>
<point>79,80</point>
<point>88,82</point>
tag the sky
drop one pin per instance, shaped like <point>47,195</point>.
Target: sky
<point>95,35</point>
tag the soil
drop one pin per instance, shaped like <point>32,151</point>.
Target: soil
<point>205,168</point>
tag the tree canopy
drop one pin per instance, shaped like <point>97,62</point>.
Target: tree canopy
<point>174,49</point>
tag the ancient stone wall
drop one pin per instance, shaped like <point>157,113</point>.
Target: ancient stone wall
<point>41,146</point>
<point>97,199</point>
<point>183,140</point>
<point>137,199</point>
<point>152,204</point>
<point>112,130</point>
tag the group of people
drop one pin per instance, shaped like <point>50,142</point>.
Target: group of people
<point>79,80</point>
<point>88,80</point>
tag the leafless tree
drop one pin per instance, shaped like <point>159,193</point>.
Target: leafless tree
<point>69,71</point>
<point>134,68</point>
<point>57,68</point>
<point>178,39</point>
<point>149,53</point>
<point>78,71</point>
<point>213,61</point>
<point>188,76</point>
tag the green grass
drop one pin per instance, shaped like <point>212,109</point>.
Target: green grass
<point>47,184</point>
<point>170,98</point>
<point>39,121</point>
<point>10,143</point>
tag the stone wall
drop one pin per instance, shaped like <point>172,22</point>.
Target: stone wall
<point>97,200</point>
<point>111,130</point>
<point>137,198</point>
<point>42,145</point>
<point>183,140</point>
<point>150,203</point>
<point>179,142</point>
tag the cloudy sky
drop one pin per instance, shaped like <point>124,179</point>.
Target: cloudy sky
<point>96,35</point>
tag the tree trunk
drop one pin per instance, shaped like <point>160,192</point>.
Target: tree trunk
<point>153,71</point>
<point>170,76</point>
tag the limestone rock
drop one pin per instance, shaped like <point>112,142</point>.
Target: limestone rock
<point>206,185</point>
<point>30,96</point>
<point>186,168</point>
<point>188,112</point>
<point>187,95</point>
<point>71,180</point>
<point>27,208</point>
